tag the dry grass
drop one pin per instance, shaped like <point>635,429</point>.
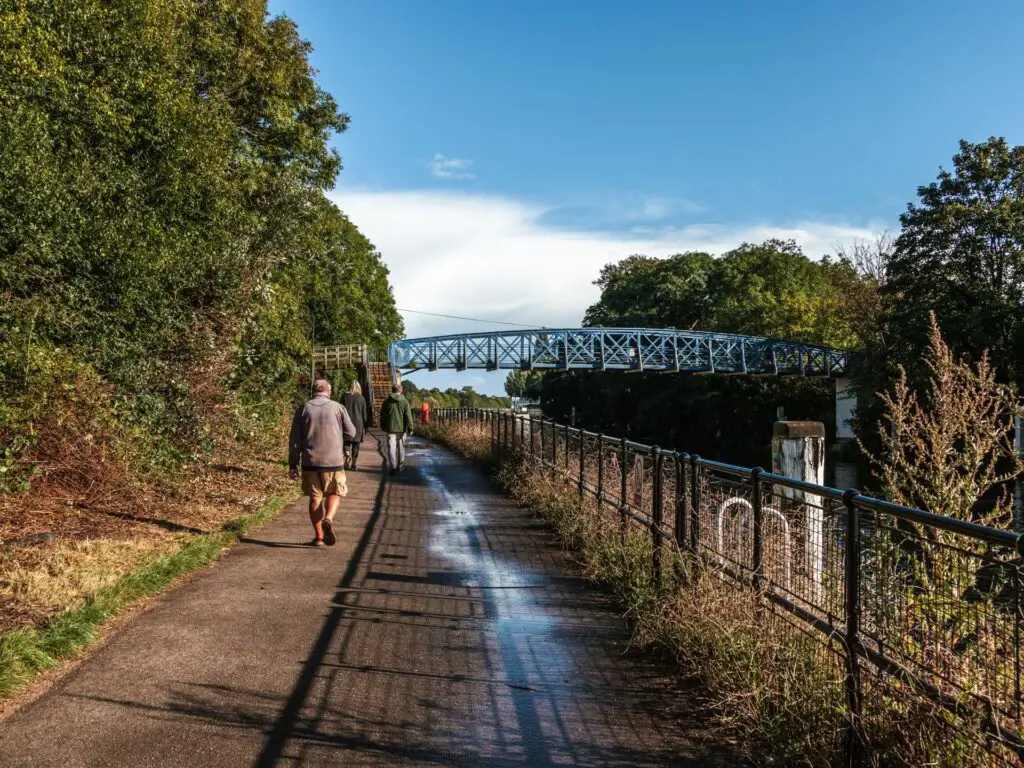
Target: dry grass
<point>66,574</point>
<point>467,438</point>
<point>771,686</point>
<point>100,537</point>
<point>98,508</point>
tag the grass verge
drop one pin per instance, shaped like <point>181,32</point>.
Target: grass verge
<point>26,652</point>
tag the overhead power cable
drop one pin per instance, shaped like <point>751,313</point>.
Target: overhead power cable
<point>470,319</point>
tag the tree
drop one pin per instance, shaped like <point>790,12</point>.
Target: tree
<point>644,292</point>
<point>869,258</point>
<point>960,253</point>
<point>520,383</point>
<point>467,397</point>
<point>163,223</point>
<point>774,290</point>
<point>769,289</point>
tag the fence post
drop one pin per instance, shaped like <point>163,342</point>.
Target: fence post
<point>582,462</point>
<point>543,456</point>
<point>657,514</point>
<point>600,470</point>
<point>758,554</point>
<point>554,450</point>
<point>1016,629</point>
<point>565,436</point>
<point>682,487</point>
<point>852,575</point>
<point>695,502</point>
<point>623,508</point>
<point>494,436</point>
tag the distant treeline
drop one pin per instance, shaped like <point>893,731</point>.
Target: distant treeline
<point>166,245</point>
<point>466,397</point>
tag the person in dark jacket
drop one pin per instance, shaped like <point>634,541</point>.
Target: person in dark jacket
<point>396,422</point>
<point>319,431</point>
<point>355,404</point>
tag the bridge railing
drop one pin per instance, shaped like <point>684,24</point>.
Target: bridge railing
<point>907,600</point>
<point>339,356</point>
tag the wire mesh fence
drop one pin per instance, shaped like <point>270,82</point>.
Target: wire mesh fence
<point>908,602</point>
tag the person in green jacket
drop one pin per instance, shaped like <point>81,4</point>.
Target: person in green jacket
<point>396,422</point>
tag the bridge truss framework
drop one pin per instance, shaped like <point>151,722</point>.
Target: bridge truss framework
<point>619,349</point>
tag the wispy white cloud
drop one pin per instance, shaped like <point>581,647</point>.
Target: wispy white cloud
<point>493,257</point>
<point>660,208</point>
<point>442,167</point>
<point>621,212</point>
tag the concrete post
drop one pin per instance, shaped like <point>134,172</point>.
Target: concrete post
<point>842,457</point>
<point>798,451</point>
<point>846,404</point>
<point>1018,490</point>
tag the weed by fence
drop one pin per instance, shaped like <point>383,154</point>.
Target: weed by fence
<point>914,606</point>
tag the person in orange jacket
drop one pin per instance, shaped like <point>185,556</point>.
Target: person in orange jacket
<point>425,412</point>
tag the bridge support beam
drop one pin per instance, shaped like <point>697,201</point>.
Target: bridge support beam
<point>843,458</point>
<point>798,451</point>
<point>846,404</point>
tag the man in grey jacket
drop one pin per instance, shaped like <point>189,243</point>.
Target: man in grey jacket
<point>319,430</point>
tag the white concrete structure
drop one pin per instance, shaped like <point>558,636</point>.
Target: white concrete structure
<point>798,451</point>
<point>846,403</point>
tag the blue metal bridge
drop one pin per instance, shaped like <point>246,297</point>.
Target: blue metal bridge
<point>618,349</point>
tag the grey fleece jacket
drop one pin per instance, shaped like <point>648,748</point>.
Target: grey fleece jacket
<point>318,435</point>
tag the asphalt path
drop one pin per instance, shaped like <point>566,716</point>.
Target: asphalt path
<point>446,628</point>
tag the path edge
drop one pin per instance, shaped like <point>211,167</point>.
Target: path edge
<point>33,659</point>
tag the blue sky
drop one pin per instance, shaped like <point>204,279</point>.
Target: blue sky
<point>501,152</point>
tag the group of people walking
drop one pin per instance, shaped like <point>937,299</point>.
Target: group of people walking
<point>325,439</point>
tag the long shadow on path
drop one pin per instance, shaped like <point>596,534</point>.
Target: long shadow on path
<point>458,637</point>
<point>446,628</point>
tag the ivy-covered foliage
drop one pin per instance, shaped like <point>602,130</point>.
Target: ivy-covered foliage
<point>164,232</point>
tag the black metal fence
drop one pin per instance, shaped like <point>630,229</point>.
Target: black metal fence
<point>928,605</point>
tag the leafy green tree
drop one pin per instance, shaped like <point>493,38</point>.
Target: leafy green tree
<point>645,292</point>
<point>769,289</point>
<point>960,253</point>
<point>520,383</point>
<point>163,224</point>
<point>774,290</point>
<point>467,397</point>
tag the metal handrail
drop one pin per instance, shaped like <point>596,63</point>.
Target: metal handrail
<point>857,639</point>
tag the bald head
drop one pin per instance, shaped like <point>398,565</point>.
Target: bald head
<point>322,387</point>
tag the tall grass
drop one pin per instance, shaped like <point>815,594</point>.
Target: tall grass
<point>769,685</point>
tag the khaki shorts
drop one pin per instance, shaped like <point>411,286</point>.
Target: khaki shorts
<point>316,484</point>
